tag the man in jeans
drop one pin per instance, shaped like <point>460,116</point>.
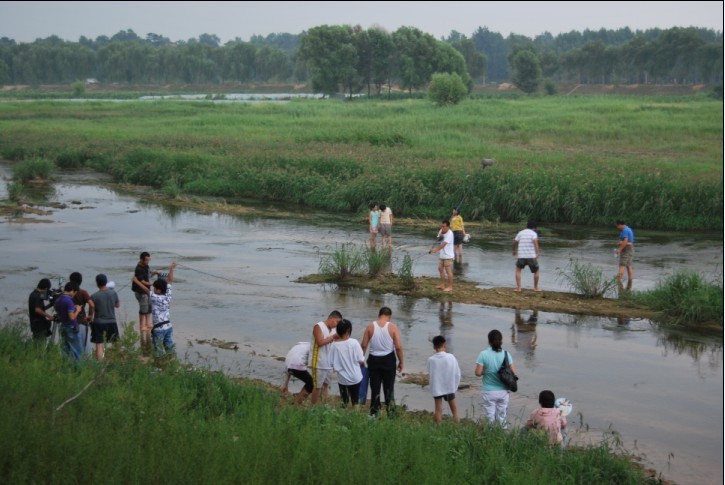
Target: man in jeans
<point>67,312</point>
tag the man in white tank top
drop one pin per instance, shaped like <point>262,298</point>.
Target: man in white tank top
<point>382,337</point>
<point>323,334</point>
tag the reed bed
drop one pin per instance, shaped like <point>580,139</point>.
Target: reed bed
<point>654,162</point>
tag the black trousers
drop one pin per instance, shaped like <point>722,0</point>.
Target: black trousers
<point>381,371</point>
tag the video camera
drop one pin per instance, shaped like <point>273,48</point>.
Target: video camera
<point>54,293</point>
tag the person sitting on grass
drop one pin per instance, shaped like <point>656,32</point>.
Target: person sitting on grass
<point>445,376</point>
<point>548,418</point>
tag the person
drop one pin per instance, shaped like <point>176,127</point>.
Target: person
<point>82,298</point>
<point>162,333</point>
<point>625,250</point>
<point>40,320</point>
<point>295,364</point>
<point>67,312</point>
<point>104,328</point>
<point>374,223</point>
<point>445,376</point>
<point>446,256</point>
<point>548,418</point>
<point>526,249</point>
<point>320,367</point>
<point>346,357</point>
<point>141,285</point>
<point>386,225</point>
<point>459,232</point>
<point>494,393</point>
<point>382,337</point>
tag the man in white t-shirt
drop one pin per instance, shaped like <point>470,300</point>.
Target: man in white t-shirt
<point>386,224</point>
<point>447,254</point>
<point>526,250</point>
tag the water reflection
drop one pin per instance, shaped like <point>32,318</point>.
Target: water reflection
<point>445,316</point>
<point>523,336</point>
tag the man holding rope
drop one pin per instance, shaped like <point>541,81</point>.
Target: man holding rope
<point>445,262</point>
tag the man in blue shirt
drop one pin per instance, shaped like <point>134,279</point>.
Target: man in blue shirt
<point>626,253</point>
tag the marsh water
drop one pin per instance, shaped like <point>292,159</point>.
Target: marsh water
<point>656,393</point>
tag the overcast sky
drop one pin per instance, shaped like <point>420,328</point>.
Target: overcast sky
<point>27,21</point>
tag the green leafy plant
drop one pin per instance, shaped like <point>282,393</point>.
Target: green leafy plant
<point>377,261</point>
<point>33,168</point>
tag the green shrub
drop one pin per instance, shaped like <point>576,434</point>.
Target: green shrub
<point>34,168</point>
<point>447,88</point>
<point>684,298</point>
<point>587,280</point>
<point>79,89</point>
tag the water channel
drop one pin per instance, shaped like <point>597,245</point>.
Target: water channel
<point>657,393</point>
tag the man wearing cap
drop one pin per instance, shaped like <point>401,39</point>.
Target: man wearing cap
<point>104,327</point>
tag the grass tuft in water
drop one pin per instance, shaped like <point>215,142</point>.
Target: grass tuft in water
<point>587,280</point>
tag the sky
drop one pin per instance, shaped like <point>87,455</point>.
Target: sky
<point>28,21</point>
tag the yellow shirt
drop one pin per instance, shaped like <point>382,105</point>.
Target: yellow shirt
<point>457,223</point>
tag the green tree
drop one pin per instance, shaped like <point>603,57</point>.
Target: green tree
<point>382,54</point>
<point>416,53</point>
<point>447,88</point>
<point>331,58</point>
<point>526,71</point>
<point>475,61</point>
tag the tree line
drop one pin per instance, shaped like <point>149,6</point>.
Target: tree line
<point>353,59</point>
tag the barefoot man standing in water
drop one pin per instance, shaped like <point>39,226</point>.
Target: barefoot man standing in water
<point>526,249</point>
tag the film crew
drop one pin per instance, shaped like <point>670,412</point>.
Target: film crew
<point>67,312</point>
<point>83,298</point>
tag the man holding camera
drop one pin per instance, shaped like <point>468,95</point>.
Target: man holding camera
<point>40,320</point>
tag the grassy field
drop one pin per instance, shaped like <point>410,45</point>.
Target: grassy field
<point>656,162</point>
<point>129,422</point>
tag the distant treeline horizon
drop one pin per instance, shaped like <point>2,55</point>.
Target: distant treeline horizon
<point>353,59</point>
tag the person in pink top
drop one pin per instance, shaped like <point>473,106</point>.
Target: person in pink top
<point>548,418</point>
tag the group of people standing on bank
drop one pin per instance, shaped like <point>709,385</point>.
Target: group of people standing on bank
<point>77,311</point>
<point>332,350</point>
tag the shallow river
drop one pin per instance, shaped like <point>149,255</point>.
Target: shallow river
<point>656,393</point>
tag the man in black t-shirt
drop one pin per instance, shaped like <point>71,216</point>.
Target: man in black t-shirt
<point>141,284</point>
<point>40,321</point>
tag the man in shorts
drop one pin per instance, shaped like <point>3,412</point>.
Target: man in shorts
<point>323,334</point>
<point>625,250</point>
<point>141,286</point>
<point>104,327</point>
<point>386,225</point>
<point>526,249</point>
<point>447,254</point>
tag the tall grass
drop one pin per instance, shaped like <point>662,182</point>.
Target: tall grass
<point>138,425</point>
<point>587,280</point>
<point>655,162</point>
<point>345,261</point>
<point>686,298</point>
<point>33,169</point>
